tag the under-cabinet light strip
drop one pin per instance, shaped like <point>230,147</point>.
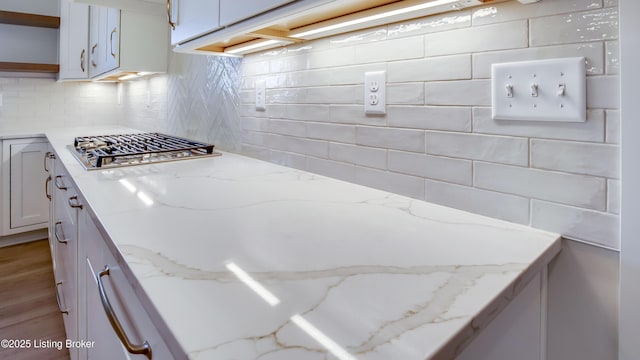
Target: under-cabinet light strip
<point>350,22</point>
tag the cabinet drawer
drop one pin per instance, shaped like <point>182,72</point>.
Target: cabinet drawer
<point>136,325</point>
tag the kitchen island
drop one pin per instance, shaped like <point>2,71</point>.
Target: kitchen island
<point>236,258</point>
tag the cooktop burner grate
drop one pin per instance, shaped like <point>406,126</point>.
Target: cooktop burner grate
<point>104,151</point>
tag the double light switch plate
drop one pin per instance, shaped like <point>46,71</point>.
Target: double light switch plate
<point>541,90</point>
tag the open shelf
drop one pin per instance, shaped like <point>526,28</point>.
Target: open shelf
<point>17,18</point>
<point>29,67</point>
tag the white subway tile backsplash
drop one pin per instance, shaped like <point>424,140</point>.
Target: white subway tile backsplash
<point>512,10</point>
<point>490,203</point>
<point>433,167</point>
<point>407,185</point>
<point>594,25</point>
<point>613,126</point>
<point>575,157</point>
<point>343,56</point>
<point>390,138</point>
<point>612,57</point>
<point>452,67</point>
<point>436,23</point>
<point>316,95</point>
<point>285,158</point>
<point>288,127</point>
<point>352,114</point>
<point>254,124</point>
<point>591,130</point>
<point>437,138</point>
<point>390,50</point>
<point>588,225</point>
<point>306,112</point>
<point>317,148</point>
<point>464,92</point>
<point>334,169</point>
<point>332,132</point>
<point>593,52</point>
<point>578,190</point>
<point>508,35</point>
<point>603,92</point>
<point>359,155</point>
<point>501,149</point>
<point>613,196</point>
<point>405,94</point>
<point>430,117</point>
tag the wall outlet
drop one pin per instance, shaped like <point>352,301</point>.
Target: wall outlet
<point>375,92</point>
<point>261,96</point>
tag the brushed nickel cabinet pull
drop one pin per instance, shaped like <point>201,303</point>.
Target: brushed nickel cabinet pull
<point>144,348</point>
<point>74,202</point>
<point>111,41</point>
<point>93,50</point>
<point>59,183</point>
<point>59,235</point>
<point>82,59</point>
<point>58,299</point>
<point>46,187</point>
<point>171,23</point>
<point>47,156</point>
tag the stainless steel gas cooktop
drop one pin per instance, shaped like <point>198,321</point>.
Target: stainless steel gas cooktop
<point>108,151</point>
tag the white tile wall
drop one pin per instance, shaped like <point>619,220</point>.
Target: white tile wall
<point>578,223</point>
<point>490,203</point>
<point>501,149</point>
<point>582,158</point>
<point>437,140</point>
<point>44,102</point>
<point>578,190</point>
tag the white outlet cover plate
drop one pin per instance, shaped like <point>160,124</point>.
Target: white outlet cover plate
<point>375,92</point>
<point>548,75</point>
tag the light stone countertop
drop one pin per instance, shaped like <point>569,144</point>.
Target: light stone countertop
<point>348,270</point>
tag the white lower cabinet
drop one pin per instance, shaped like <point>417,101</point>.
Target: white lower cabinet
<point>114,315</point>
<point>25,206</point>
<point>64,242</point>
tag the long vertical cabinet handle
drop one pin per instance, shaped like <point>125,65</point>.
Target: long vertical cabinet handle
<point>82,59</point>
<point>114,31</point>
<point>170,15</point>
<point>66,311</point>
<point>144,348</point>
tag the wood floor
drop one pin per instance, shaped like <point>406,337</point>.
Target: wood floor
<point>28,308</point>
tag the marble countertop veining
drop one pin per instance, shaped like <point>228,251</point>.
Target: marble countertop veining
<point>244,259</point>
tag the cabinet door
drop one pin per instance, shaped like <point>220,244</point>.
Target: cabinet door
<point>112,40</point>
<point>232,11</point>
<point>193,18</point>
<point>104,34</point>
<point>29,206</point>
<point>74,40</point>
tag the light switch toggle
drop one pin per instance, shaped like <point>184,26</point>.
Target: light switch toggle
<point>534,90</point>
<point>561,88</point>
<point>509,88</point>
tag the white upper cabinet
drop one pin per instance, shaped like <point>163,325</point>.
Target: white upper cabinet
<point>74,40</point>
<point>105,43</point>
<point>232,11</point>
<point>104,54</point>
<point>192,18</point>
